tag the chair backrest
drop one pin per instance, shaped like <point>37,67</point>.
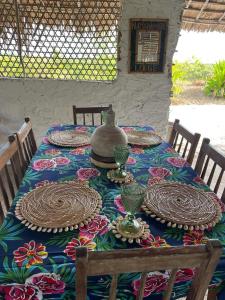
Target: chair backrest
<point>183,141</point>
<point>89,115</point>
<point>26,142</point>
<point>10,174</point>
<point>203,257</point>
<point>210,166</point>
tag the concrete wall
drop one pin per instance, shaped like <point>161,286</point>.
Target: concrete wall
<point>136,98</point>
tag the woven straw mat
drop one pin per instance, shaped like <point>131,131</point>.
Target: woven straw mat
<point>181,204</point>
<point>59,205</point>
<point>69,138</point>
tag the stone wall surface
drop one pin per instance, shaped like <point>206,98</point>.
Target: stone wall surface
<point>136,98</point>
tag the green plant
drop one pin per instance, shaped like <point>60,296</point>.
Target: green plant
<point>100,67</point>
<point>189,71</point>
<point>178,74</point>
<point>196,70</point>
<point>216,84</point>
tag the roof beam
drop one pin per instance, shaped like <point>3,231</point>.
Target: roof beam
<point>188,4</point>
<point>202,21</point>
<point>201,10</point>
<point>221,18</point>
<point>211,3</point>
<point>207,10</point>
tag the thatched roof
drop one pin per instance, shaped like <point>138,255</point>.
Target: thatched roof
<point>77,16</point>
<point>204,15</point>
<point>25,17</point>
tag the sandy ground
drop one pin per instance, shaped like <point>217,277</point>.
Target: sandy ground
<point>204,115</point>
<point>194,94</point>
<point>208,120</point>
<point>200,113</point>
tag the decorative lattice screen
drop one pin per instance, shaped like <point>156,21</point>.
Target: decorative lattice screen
<point>59,39</point>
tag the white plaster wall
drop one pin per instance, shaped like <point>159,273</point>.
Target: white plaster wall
<point>136,98</point>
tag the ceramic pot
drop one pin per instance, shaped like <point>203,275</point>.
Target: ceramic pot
<point>106,137</point>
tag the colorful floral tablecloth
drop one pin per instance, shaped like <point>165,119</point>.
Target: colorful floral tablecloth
<point>35,265</point>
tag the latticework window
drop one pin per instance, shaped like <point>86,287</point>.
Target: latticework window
<point>59,39</point>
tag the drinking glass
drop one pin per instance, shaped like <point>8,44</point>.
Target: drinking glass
<point>121,154</point>
<point>132,197</point>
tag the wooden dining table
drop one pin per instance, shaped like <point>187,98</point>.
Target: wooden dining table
<point>41,265</point>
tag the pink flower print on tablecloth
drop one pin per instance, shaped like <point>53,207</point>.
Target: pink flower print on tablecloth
<point>155,282</point>
<point>137,150</point>
<point>195,237</point>
<point>61,160</point>
<point>21,292</point>
<point>176,161</point>
<point>31,253</point>
<point>119,204</point>
<point>43,164</point>
<point>45,140</point>
<point>153,242</point>
<point>154,180</point>
<point>131,161</point>
<point>198,180</point>
<point>170,150</point>
<point>81,128</point>
<point>99,225</point>
<point>74,243</point>
<point>127,129</point>
<point>34,288</point>
<point>184,275</point>
<point>87,173</point>
<point>52,152</point>
<point>42,183</point>
<point>48,283</point>
<point>159,172</point>
<point>77,151</point>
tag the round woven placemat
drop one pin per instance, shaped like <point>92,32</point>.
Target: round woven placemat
<point>69,138</point>
<point>143,138</point>
<point>181,205</point>
<point>58,206</point>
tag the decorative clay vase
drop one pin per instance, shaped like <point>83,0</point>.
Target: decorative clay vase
<point>106,137</point>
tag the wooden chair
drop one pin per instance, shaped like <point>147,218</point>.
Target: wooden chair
<point>11,174</point>
<point>183,141</point>
<point>210,166</point>
<point>26,142</point>
<point>92,112</point>
<point>202,257</point>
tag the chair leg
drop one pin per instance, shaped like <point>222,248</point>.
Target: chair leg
<point>212,294</point>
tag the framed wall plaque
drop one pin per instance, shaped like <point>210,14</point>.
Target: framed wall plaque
<point>147,45</point>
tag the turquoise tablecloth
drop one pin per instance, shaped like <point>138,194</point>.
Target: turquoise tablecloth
<point>36,265</point>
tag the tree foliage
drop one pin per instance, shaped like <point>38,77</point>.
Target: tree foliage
<point>189,71</point>
<point>215,85</point>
